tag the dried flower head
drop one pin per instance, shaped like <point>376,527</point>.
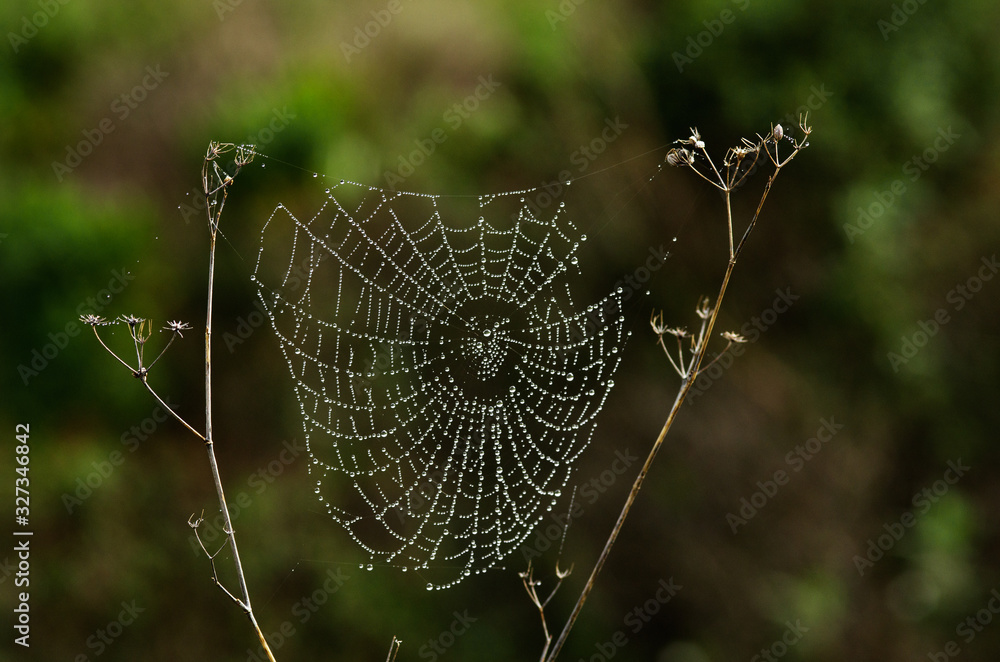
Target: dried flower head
<point>93,320</point>
<point>661,329</point>
<point>733,337</point>
<point>656,321</point>
<point>804,123</point>
<point>131,320</point>
<point>245,154</point>
<point>177,327</point>
<point>778,133</point>
<point>704,309</point>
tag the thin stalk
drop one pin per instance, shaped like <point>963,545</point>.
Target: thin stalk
<point>171,411</point>
<point>637,485</point>
<point>682,157</point>
<point>393,649</point>
<point>162,351</point>
<point>120,360</point>
<point>729,215</point>
<point>213,222</point>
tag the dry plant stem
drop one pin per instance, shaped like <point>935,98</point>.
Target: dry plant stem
<point>214,214</point>
<point>637,485</point>
<point>393,649</point>
<point>172,412</point>
<point>137,327</point>
<point>143,376</point>
<point>692,373</point>
<point>531,586</point>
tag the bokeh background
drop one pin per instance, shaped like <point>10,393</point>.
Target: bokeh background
<point>873,228</point>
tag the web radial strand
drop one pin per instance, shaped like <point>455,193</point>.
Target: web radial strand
<point>445,379</point>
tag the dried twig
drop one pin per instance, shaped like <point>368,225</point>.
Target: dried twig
<point>740,161</point>
<point>393,649</point>
<point>215,183</point>
<point>531,586</point>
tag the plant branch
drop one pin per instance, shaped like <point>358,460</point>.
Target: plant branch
<point>393,649</point>
<point>94,326</point>
<point>684,157</point>
<point>171,411</point>
<point>215,197</point>
<point>531,586</point>
<point>640,479</point>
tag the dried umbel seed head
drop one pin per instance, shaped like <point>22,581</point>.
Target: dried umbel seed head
<point>93,320</point>
<point>177,327</point>
<point>778,132</point>
<point>679,157</point>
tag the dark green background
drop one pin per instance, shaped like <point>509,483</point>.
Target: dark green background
<point>879,97</point>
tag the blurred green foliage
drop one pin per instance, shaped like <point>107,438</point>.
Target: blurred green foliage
<point>297,81</point>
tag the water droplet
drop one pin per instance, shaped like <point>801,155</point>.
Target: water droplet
<point>569,376</point>
<point>315,175</point>
<point>430,587</point>
<point>513,389</point>
<point>370,567</point>
<point>486,333</point>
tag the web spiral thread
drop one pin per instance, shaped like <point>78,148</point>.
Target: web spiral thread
<point>446,381</point>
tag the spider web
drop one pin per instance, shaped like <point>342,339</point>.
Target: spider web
<point>447,383</point>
